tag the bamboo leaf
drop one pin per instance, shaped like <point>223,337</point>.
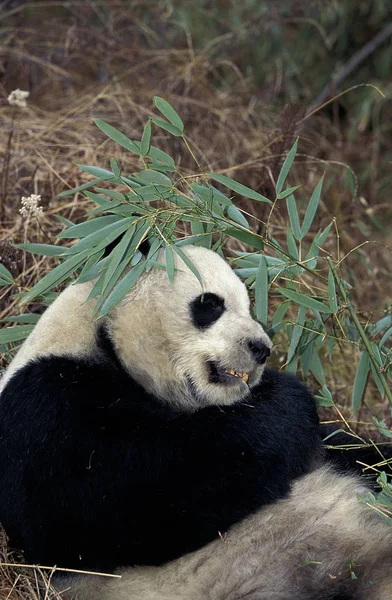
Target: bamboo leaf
<point>289,191</point>
<point>122,288</point>
<point>57,275</point>
<point>116,256</point>
<point>188,263</point>
<point>236,215</point>
<point>115,167</point>
<point>286,167</point>
<point>26,318</point>
<point>92,267</point>
<point>168,111</point>
<point>167,126</point>
<point>305,301</point>
<point>65,221</point>
<point>117,136</point>
<point>84,186</point>
<point>42,249</point>
<point>247,237</point>
<point>211,194</point>
<point>317,368</point>
<point>14,334</point>
<point>81,230</point>
<point>261,292</point>
<point>5,274</point>
<point>103,237</point>
<point>293,216</point>
<point>169,259</point>
<point>153,177</point>
<point>386,336</point>
<point>297,332</point>
<point>291,245</point>
<point>360,380</point>
<point>238,188</point>
<point>333,302</point>
<point>146,139</point>
<point>312,208</point>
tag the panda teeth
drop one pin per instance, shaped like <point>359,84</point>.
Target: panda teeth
<point>244,376</point>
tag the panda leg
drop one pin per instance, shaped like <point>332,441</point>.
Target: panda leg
<point>320,543</point>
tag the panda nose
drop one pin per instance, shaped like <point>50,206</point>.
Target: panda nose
<point>259,350</point>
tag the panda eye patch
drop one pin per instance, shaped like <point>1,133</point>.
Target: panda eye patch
<point>206,309</point>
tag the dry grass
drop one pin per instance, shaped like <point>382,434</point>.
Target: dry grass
<point>106,60</point>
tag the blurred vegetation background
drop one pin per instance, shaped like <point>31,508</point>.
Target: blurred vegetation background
<point>247,78</point>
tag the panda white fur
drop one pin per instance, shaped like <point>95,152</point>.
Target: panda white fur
<point>158,434</point>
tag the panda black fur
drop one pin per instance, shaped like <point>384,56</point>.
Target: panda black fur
<point>131,442</point>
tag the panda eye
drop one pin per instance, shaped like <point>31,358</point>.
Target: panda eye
<point>206,309</point>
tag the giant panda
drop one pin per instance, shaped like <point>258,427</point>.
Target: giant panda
<point>157,437</point>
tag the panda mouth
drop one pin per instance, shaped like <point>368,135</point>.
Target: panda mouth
<point>219,374</point>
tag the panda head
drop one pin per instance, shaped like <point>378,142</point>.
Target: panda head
<point>186,344</point>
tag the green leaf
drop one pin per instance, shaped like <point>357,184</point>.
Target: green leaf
<point>115,167</point>
<point>386,336</point>
<point>92,267</point>
<point>102,174</point>
<point>65,221</point>
<point>26,318</point>
<point>169,259</point>
<point>146,139</point>
<point>153,252</point>
<point>197,240</point>
<point>5,274</point>
<point>57,275</point>
<point>162,157</point>
<point>14,334</point>
<point>325,398</point>
<point>293,216</point>
<point>312,208</point>
<point>42,249</point>
<point>211,194</point>
<point>291,245</point>
<point>261,292</point>
<point>84,186</point>
<point>297,332</point>
<point>112,194</point>
<point>116,256</point>
<point>247,237</point>
<point>103,237</point>
<point>360,380</point>
<point>109,176</point>
<point>286,167</point>
<point>377,380</point>
<point>81,230</point>
<point>168,111</point>
<point>305,300</point>
<point>167,126</point>
<point>153,177</point>
<point>333,302</point>
<point>287,192</point>
<point>117,136</point>
<point>238,188</point>
<point>306,358</point>
<point>188,263</point>
<point>383,427</point>
<point>317,368</point>
<point>122,288</point>
<point>279,316</point>
<point>236,215</point>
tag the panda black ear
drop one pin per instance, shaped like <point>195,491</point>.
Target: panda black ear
<point>144,246</point>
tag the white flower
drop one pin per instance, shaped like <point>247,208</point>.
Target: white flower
<point>30,207</point>
<point>18,98</point>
